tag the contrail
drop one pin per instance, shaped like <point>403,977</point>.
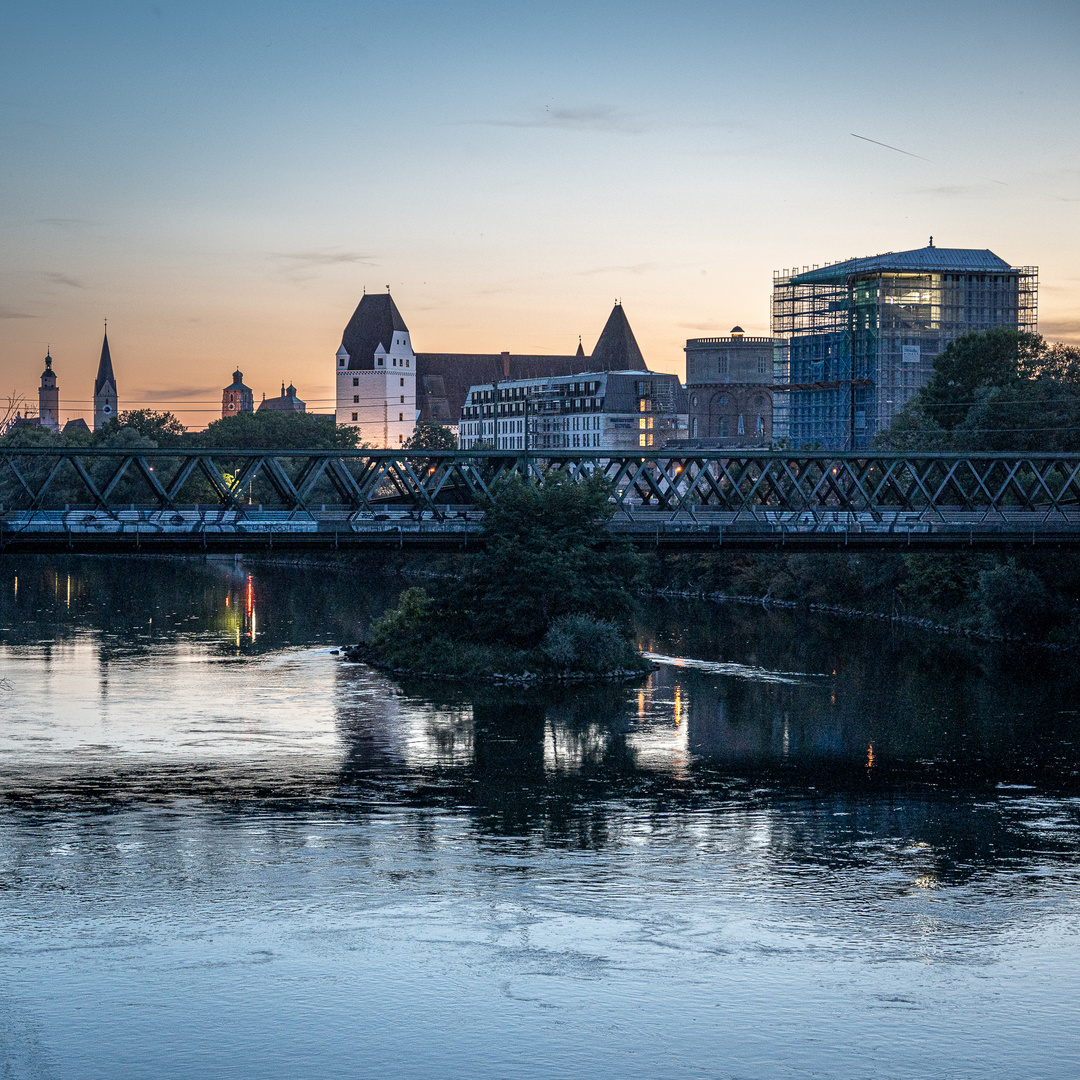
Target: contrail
<point>896,148</point>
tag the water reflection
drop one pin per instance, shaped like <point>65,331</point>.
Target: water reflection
<point>267,859</point>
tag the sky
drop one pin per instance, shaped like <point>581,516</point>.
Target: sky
<point>221,181</point>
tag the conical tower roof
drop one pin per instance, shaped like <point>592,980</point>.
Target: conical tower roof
<point>104,371</point>
<point>373,324</point>
<point>617,349</point>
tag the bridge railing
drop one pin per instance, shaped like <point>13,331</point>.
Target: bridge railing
<point>110,480</point>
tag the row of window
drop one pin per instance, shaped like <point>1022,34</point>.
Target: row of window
<point>723,365</point>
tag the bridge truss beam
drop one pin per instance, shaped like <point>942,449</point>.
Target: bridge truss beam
<point>105,499</point>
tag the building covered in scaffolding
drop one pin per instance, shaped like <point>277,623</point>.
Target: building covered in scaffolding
<point>861,335</point>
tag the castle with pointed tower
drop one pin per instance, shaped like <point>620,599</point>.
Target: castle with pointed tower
<point>376,373</point>
<point>385,388</point>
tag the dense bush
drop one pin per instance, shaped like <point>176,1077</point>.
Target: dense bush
<point>579,643</point>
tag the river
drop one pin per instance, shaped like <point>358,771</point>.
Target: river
<point>804,847</point>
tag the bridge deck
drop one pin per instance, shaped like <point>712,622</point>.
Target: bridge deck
<point>227,500</point>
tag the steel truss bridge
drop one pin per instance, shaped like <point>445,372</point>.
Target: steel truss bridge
<point>98,500</point>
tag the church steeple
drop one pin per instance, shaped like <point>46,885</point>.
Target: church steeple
<point>49,398</point>
<point>104,387</point>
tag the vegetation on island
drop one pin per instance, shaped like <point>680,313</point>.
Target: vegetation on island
<point>548,594</point>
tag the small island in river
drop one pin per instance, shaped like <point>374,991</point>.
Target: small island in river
<point>548,597</point>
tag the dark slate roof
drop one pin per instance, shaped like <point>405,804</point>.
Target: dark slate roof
<point>288,402</point>
<point>373,324</point>
<point>104,368</point>
<point>926,260</point>
<point>443,379</point>
<point>617,349</point>
<point>78,424</point>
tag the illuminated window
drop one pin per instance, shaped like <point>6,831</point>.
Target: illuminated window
<point>641,423</point>
<point>648,424</point>
<point>641,405</point>
<point>641,440</point>
<point>650,440</point>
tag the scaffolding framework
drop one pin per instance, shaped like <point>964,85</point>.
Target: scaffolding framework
<point>860,341</point>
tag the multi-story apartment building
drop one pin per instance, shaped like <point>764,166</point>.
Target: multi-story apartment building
<point>861,335</point>
<point>605,410</point>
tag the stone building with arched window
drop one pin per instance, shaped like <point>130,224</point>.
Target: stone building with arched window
<point>729,390</point>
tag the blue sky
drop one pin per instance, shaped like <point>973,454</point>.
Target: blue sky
<point>222,180</point>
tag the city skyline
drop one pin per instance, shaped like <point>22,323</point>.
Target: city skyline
<point>222,183</point>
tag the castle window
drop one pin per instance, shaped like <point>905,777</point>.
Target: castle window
<point>402,399</point>
<point>341,362</point>
<point>406,362</point>
<point>761,365</point>
<point>356,382</point>
<point>400,416</point>
<point>355,416</point>
<point>356,399</point>
<point>402,382</point>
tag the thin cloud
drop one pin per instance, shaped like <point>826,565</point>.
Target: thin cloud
<point>299,260</point>
<point>63,279</point>
<point>11,313</point>
<point>1067,329</point>
<point>176,393</point>
<point>950,191</point>
<point>633,268</point>
<point>602,118</point>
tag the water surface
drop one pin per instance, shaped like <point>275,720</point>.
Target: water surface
<point>803,847</point>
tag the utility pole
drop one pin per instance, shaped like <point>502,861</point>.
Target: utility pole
<point>526,444</point>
